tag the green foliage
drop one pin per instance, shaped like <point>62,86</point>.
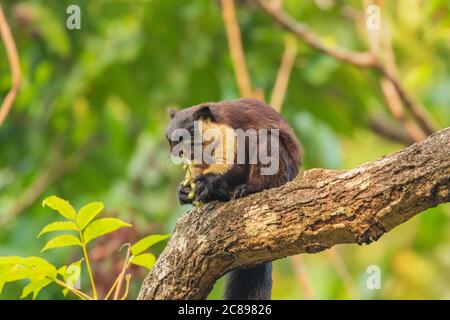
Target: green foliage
<point>147,242</point>
<point>146,260</point>
<point>60,205</point>
<point>62,241</point>
<point>42,273</point>
<point>102,226</point>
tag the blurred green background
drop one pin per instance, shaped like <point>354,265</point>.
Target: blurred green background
<point>89,120</point>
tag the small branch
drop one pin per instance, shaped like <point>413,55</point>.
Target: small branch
<point>127,287</point>
<point>121,276</point>
<point>390,131</point>
<point>415,108</point>
<point>88,266</point>
<point>282,80</point>
<point>13,59</point>
<point>361,59</point>
<point>395,107</point>
<point>317,210</point>
<point>75,291</point>
<point>236,50</point>
<point>381,47</point>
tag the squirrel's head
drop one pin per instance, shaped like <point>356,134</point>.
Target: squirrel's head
<point>183,121</point>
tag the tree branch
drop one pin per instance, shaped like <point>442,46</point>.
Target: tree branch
<point>319,209</point>
<point>236,51</point>
<point>360,59</point>
<point>283,74</point>
<point>13,60</point>
<point>365,59</point>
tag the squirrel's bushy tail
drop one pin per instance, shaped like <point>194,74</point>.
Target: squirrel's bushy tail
<point>254,283</point>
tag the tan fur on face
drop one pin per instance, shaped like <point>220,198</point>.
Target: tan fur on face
<point>223,139</point>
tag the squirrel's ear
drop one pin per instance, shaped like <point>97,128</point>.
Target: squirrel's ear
<point>171,112</point>
<point>204,112</point>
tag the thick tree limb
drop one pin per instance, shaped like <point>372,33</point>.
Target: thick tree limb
<point>319,209</point>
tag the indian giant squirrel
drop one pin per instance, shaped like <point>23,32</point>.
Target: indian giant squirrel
<point>224,180</point>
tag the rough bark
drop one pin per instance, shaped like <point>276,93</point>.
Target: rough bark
<point>317,210</point>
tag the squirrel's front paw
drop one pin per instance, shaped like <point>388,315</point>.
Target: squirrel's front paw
<point>203,186</point>
<point>185,194</point>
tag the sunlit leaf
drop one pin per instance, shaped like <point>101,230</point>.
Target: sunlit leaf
<point>103,226</point>
<point>62,241</point>
<point>35,286</point>
<point>62,271</point>
<point>60,205</point>
<point>10,260</point>
<point>58,226</point>
<point>146,260</point>
<point>88,213</point>
<point>72,275</point>
<point>147,242</point>
<point>39,266</point>
<point>3,270</point>
<point>16,273</point>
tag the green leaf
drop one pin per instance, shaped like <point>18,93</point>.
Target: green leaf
<point>31,267</point>
<point>102,226</point>
<point>146,260</point>
<point>35,286</point>
<point>62,271</point>
<point>147,242</point>
<point>62,241</point>
<point>60,205</point>
<point>88,213</point>
<point>72,275</point>
<point>40,266</point>
<point>17,272</point>
<point>10,260</point>
<point>3,270</point>
<point>58,226</point>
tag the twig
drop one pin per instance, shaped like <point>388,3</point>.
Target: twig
<point>121,276</point>
<point>381,47</point>
<point>13,59</point>
<point>415,108</point>
<point>236,50</point>
<point>389,131</point>
<point>395,106</point>
<point>111,290</point>
<point>362,59</point>
<point>282,80</point>
<point>75,291</point>
<point>127,287</point>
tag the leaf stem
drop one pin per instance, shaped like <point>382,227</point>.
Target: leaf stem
<point>77,292</point>
<point>121,276</point>
<point>88,265</point>
<point>112,288</point>
<point>125,294</point>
